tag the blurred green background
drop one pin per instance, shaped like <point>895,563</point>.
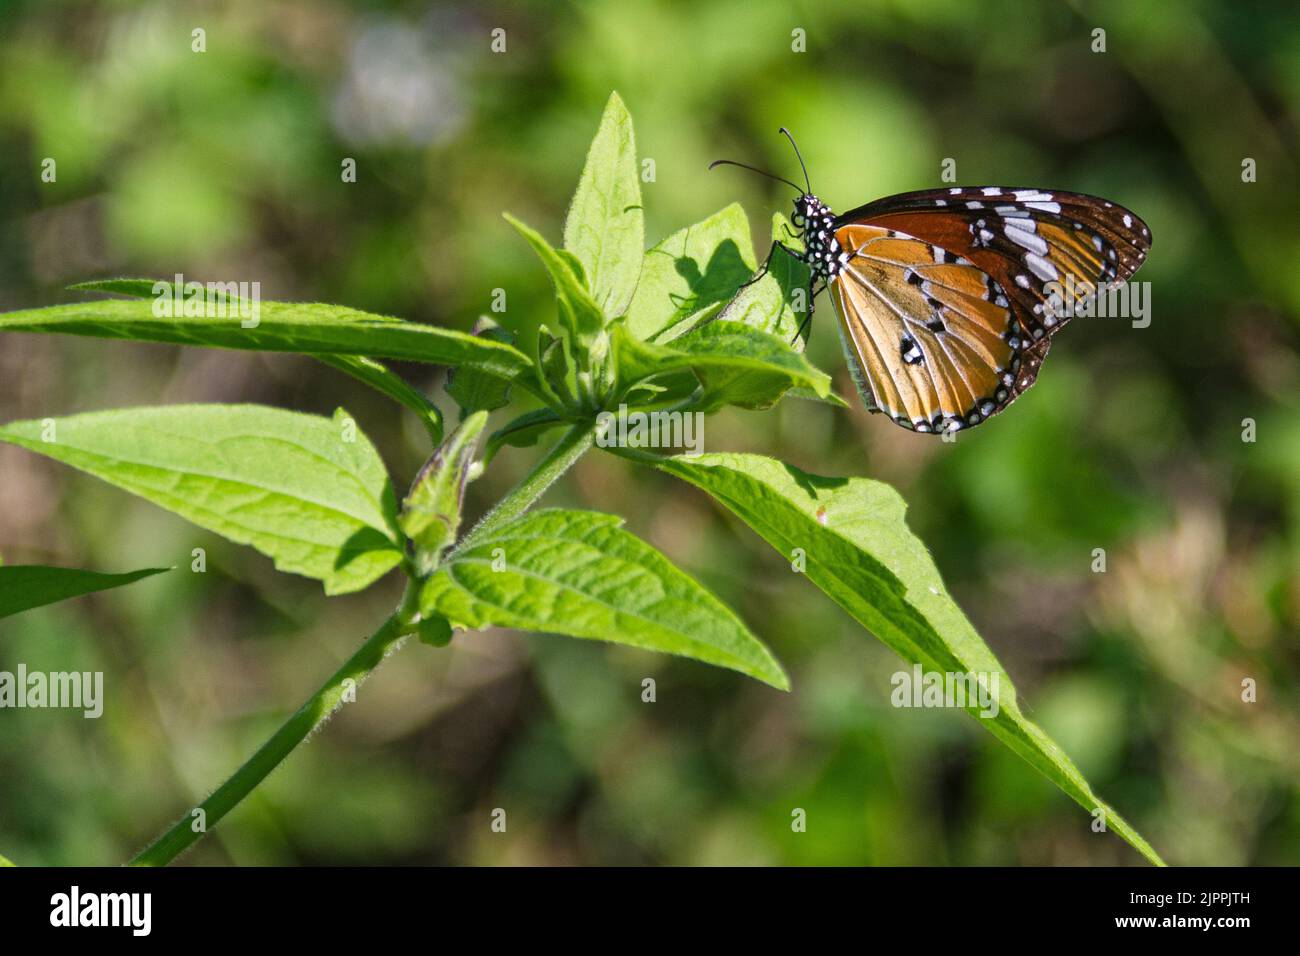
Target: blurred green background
<point>226,165</point>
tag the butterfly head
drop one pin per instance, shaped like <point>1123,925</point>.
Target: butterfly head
<point>811,211</point>
<point>812,218</point>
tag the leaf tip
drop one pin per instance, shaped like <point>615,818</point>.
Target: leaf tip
<point>615,102</point>
<point>780,680</point>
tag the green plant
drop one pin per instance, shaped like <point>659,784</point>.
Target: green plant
<point>670,329</point>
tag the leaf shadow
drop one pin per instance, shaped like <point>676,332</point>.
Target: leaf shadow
<point>813,484</point>
<point>361,542</point>
<point>718,281</point>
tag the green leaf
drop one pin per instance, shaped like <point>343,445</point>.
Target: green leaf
<point>605,228</point>
<point>477,391</point>
<point>690,271</point>
<point>757,386</point>
<point>580,316</point>
<point>559,368</point>
<point>5,861</point>
<point>379,377</point>
<point>737,364</point>
<point>137,288</point>
<point>431,512</point>
<point>578,573</point>
<point>810,396</point>
<point>523,432</point>
<point>769,305</point>
<point>575,266</point>
<point>25,586</point>
<point>859,550</point>
<point>373,373</point>
<point>309,492</point>
<point>282,327</point>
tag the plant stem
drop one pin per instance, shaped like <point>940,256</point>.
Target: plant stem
<point>318,709</point>
<point>311,715</point>
<point>575,443</point>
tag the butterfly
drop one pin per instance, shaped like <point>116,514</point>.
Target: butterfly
<point>948,298</point>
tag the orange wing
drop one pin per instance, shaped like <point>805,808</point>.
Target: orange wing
<point>1025,239</point>
<point>1011,259</point>
<point>931,338</point>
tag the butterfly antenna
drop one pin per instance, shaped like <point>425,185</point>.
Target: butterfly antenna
<point>755,169</point>
<point>786,133</point>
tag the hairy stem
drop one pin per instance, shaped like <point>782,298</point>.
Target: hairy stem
<point>321,705</point>
<point>311,715</point>
<point>576,442</point>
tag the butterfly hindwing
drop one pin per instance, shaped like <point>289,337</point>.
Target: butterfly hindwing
<point>931,338</point>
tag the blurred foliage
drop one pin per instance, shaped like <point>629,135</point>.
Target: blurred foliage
<point>1131,441</point>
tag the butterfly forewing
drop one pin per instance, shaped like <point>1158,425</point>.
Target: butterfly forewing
<point>1024,239</point>
<point>931,338</point>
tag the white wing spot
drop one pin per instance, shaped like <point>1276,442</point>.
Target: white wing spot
<point>1027,240</point>
<point>1041,268</point>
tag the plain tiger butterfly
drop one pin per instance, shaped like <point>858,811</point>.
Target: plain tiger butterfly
<point>945,296</point>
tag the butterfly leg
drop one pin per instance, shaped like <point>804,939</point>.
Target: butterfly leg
<point>812,307</point>
<point>767,263</point>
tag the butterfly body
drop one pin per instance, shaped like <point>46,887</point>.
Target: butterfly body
<point>822,251</point>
